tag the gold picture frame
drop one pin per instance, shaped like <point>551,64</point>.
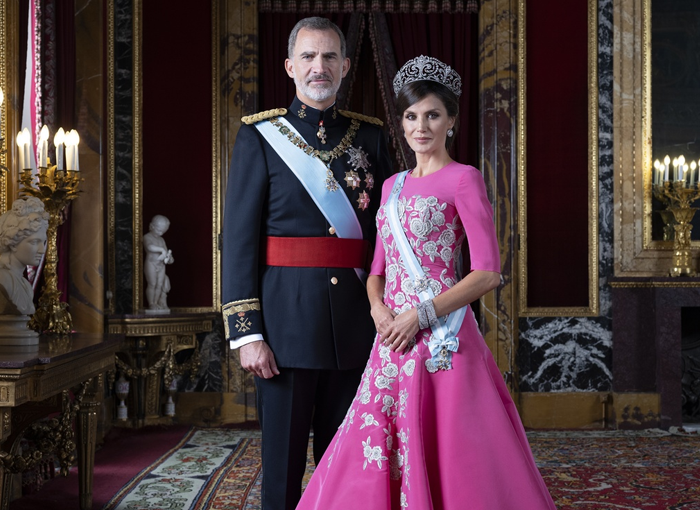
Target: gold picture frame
<point>636,254</point>
<point>216,173</point>
<point>593,242</point>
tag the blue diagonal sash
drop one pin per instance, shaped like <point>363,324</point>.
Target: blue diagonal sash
<point>443,336</point>
<point>335,206</point>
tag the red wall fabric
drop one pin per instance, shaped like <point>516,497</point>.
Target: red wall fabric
<point>557,153</point>
<point>177,141</point>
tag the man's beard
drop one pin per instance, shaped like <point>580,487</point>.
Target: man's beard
<point>316,93</point>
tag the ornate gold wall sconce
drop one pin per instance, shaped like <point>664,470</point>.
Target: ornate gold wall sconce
<point>677,186</point>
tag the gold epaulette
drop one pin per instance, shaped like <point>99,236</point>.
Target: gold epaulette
<point>359,116</point>
<point>268,114</point>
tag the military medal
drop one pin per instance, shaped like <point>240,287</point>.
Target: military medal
<point>352,179</point>
<point>369,180</point>
<point>363,201</point>
<point>321,134</point>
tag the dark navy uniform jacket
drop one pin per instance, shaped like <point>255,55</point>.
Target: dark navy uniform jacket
<point>308,321</point>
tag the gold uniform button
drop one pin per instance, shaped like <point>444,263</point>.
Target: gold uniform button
<point>334,280</point>
<point>331,231</point>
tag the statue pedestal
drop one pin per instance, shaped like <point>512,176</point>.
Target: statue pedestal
<point>14,331</point>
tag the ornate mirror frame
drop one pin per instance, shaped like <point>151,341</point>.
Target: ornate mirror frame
<point>636,254</point>
<point>593,284</point>
<point>216,170</point>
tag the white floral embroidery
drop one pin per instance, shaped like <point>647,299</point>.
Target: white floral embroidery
<point>409,367</point>
<point>388,404</point>
<point>368,420</point>
<point>438,218</point>
<point>447,238</point>
<point>383,383</point>
<point>372,453</point>
<point>430,249</point>
<point>391,370</point>
<point>384,399</point>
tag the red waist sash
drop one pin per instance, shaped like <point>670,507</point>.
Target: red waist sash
<point>315,252</point>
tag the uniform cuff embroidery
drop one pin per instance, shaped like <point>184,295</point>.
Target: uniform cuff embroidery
<point>239,311</point>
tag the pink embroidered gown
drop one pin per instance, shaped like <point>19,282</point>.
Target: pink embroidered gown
<point>449,440</point>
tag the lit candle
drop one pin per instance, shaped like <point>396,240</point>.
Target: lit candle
<point>667,160</point>
<point>674,173</point>
<point>20,145</point>
<point>76,137</point>
<point>655,174</point>
<point>681,167</point>
<point>43,147</point>
<point>58,140</point>
<point>27,149</point>
<point>70,155</point>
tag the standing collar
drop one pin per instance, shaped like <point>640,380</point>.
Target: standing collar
<point>309,114</point>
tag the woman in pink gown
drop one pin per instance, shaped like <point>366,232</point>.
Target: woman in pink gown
<point>433,426</point>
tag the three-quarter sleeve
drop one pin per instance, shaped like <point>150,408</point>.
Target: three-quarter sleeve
<point>476,212</point>
<point>379,259</point>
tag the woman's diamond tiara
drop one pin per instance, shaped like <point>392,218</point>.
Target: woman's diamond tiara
<point>428,68</point>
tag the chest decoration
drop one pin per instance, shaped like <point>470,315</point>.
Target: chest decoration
<point>326,157</point>
<point>359,160</point>
<point>321,134</point>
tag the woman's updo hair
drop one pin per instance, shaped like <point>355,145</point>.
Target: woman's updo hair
<point>26,218</point>
<point>415,91</point>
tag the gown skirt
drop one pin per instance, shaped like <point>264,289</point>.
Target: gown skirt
<point>416,440</point>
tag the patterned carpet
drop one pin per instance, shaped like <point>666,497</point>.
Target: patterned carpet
<point>219,469</point>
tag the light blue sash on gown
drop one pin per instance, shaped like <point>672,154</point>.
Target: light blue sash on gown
<point>443,341</point>
<point>335,206</point>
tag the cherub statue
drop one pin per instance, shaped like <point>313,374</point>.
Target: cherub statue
<point>22,243</point>
<point>157,256</point>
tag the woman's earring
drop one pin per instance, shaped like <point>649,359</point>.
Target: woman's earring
<point>450,133</point>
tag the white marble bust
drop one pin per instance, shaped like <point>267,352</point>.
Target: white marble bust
<point>22,243</point>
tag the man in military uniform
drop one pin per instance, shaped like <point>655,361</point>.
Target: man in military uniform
<point>299,228</point>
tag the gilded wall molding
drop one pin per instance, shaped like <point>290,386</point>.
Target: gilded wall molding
<point>217,168</point>
<point>137,176</point>
<point>9,83</point>
<point>111,162</point>
<point>636,254</point>
<point>593,242</point>
<point>4,124</point>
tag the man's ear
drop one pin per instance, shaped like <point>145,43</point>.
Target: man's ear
<point>346,66</point>
<point>289,67</point>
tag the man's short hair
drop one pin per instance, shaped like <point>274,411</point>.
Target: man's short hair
<point>314,23</point>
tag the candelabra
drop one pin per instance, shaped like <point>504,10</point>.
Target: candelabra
<point>56,189</point>
<point>678,196</point>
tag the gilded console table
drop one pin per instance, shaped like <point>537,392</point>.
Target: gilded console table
<point>35,382</point>
<point>147,358</point>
